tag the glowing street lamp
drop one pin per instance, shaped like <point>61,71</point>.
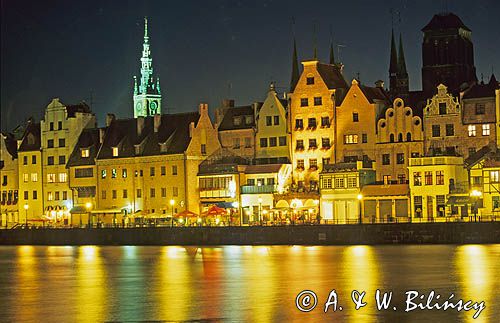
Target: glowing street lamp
<point>476,195</point>
<point>360,197</point>
<point>26,207</point>
<point>260,210</point>
<point>172,203</point>
<point>88,206</point>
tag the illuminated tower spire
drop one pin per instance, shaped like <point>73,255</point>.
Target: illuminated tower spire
<point>146,60</point>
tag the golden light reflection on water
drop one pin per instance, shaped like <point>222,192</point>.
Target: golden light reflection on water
<point>28,278</point>
<point>476,278</point>
<point>361,273</point>
<point>91,285</point>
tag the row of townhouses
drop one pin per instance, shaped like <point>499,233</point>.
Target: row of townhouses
<point>327,150</point>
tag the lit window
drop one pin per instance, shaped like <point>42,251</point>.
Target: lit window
<point>63,177</point>
<point>103,173</point>
<point>124,173</point>
<point>352,182</point>
<point>50,196</point>
<point>350,139</point>
<point>439,177</point>
<point>51,178</point>
<point>471,130</point>
<point>339,182</point>
<point>85,152</point>
<point>26,177</point>
<point>115,151</point>
<point>486,129</point>
<point>417,179</point>
<point>113,173</point>
<point>495,176</point>
<point>428,178</point>
<point>34,177</point>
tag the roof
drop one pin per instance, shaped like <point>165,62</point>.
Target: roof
<point>89,138</point>
<point>482,90</point>
<point>173,134</point>
<point>445,21</point>
<point>262,169</point>
<point>331,76</point>
<point>374,93</point>
<point>492,156</point>
<point>417,100</point>
<point>10,144</point>
<point>31,138</point>
<point>227,122</point>
<point>385,190</point>
<point>80,107</point>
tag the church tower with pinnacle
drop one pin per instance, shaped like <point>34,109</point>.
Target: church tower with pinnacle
<point>147,95</point>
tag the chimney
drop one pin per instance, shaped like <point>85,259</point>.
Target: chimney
<point>157,122</point>
<point>109,118</point>
<point>191,129</point>
<point>228,103</point>
<point>102,132</point>
<point>140,125</point>
<point>203,108</point>
<point>379,84</point>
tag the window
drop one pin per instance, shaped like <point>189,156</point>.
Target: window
<point>401,178</point>
<point>273,141</point>
<point>311,123</point>
<point>318,100</point>
<point>237,121</point>
<point>312,144</point>
<point>313,163</point>
<point>25,160</point>
<point>248,119</point>
<point>85,152</point>
<point>326,161</point>
<point>428,178</point>
<point>62,142</point>
<point>300,163</point>
<point>327,182</point>
<point>364,138</point>
<point>442,108</point>
<point>103,173</point>
<point>339,182</point>
<point>417,179</point>
<point>352,182</point>
<point>480,108</point>
<point>203,149</point>
<point>59,125</point>
<point>251,182</point>
<point>387,179</point>
<point>113,194</point>
<point>439,177</point>
<point>310,80</point>
<point>26,177</point>
<point>139,193</point>
<point>103,194</point>
<point>472,151</point>
<point>276,120</point>
<point>269,121</point>
<point>386,159</point>
<point>63,177</point>
<point>163,192</point>
<point>175,191</point>
<point>282,141</point>
<point>494,176</point>
<point>355,117</point>
<point>486,129</point>
<point>408,136</point>
<point>35,195</point>
<point>236,143</point>
<point>450,130</point>
<point>26,195</point>
<point>115,151</point>
<point>391,137</point>
<point>248,142</point>
<point>151,192</point>
<point>62,160</point>
<point>299,144</point>
<point>304,102</point>
<point>50,196</point>
<point>270,181</point>
<point>325,142</point>
<point>124,173</point>
<point>84,172</point>
<point>350,139</point>
<point>56,196</point>
<point>325,122</point>
<point>436,130</point>
<point>299,124</point>
<point>50,143</point>
<point>415,154</point>
<point>400,158</point>
<point>174,169</point>
<point>113,173</point>
<point>50,160</point>
<point>471,130</point>
<point>51,126</point>
<point>263,142</point>
<point>151,171</point>
<point>34,177</point>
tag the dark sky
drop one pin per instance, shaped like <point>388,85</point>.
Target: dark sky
<point>205,50</point>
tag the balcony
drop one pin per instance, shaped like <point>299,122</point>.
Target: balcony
<point>255,189</point>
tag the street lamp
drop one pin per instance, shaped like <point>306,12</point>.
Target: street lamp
<point>88,206</point>
<point>236,205</point>
<point>360,197</point>
<point>476,195</point>
<point>172,203</point>
<point>26,207</point>
<point>260,210</point>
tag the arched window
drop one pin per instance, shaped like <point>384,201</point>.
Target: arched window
<point>408,136</point>
<point>391,137</point>
<point>400,137</point>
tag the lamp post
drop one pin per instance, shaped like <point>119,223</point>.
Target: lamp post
<point>235,205</point>
<point>260,210</point>
<point>88,206</point>
<point>475,194</point>
<point>360,197</point>
<point>318,214</point>
<point>26,207</point>
<point>172,203</point>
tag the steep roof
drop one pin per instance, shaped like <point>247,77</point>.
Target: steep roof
<point>482,90</point>
<point>331,76</point>
<point>10,144</point>
<point>374,93</point>
<point>445,21</point>
<point>31,138</point>
<point>173,134</point>
<point>80,107</point>
<point>89,138</point>
<point>227,122</point>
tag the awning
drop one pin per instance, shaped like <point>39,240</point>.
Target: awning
<point>459,200</point>
<point>78,209</point>
<point>225,205</point>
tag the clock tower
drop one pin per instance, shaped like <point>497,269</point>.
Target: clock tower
<point>147,95</point>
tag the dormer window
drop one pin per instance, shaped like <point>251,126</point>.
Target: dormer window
<point>137,149</point>
<point>237,121</point>
<point>85,152</point>
<point>248,120</point>
<point>115,151</point>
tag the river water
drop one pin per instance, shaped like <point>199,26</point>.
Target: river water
<point>241,283</point>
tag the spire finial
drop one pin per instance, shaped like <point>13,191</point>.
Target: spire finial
<point>332,57</point>
<point>146,37</point>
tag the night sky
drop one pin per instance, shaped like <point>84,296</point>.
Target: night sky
<point>206,50</point>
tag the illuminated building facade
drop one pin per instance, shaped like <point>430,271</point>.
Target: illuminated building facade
<point>9,177</point>
<point>237,130</point>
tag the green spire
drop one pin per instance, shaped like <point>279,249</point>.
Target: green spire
<point>401,61</point>
<point>295,68</point>
<point>393,67</point>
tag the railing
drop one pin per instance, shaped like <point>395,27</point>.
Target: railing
<point>256,189</point>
